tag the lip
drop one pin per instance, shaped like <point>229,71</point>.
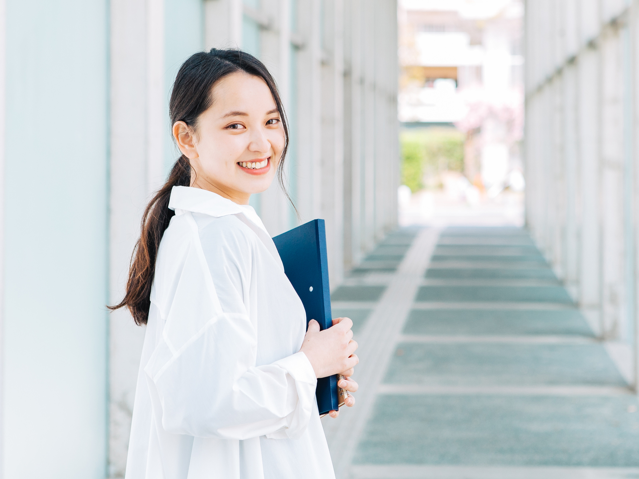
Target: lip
<point>260,171</point>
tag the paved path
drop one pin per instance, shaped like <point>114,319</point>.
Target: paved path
<point>475,363</point>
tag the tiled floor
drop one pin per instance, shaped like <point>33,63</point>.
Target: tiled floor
<point>476,364</point>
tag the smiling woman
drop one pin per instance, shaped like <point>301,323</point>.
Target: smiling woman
<point>226,386</point>
<point>242,133</point>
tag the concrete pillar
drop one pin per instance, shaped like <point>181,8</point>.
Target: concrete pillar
<point>222,24</point>
<point>612,226</point>
<point>571,163</point>
<point>309,111</point>
<point>589,129</point>
<point>634,167</point>
<point>3,85</point>
<point>275,53</point>
<point>136,169</point>
<point>352,132</point>
<point>368,123</point>
<point>557,214</point>
<point>332,127</point>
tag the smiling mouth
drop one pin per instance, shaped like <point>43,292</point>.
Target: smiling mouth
<point>254,165</point>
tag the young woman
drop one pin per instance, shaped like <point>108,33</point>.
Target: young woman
<point>226,387</point>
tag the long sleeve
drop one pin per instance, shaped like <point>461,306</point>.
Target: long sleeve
<point>203,374</point>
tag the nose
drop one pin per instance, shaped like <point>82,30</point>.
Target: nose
<point>259,142</point>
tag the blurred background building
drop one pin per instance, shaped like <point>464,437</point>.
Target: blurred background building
<point>85,142</point>
<point>461,109</point>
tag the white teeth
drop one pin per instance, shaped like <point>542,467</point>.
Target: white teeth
<point>254,165</point>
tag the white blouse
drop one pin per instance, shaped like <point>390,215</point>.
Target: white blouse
<point>222,390</point>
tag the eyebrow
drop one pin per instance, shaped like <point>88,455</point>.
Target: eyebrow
<point>242,113</point>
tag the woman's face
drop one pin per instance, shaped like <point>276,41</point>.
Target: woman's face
<point>238,141</point>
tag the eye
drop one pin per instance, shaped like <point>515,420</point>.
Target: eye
<point>235,126</point>
<point>274,120</point>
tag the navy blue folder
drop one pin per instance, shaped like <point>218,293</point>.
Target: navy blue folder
<point>303,252</point>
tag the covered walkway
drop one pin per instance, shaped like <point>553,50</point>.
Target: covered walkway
<point>476,363</point>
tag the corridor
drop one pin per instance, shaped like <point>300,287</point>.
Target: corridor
<point>476,363</point>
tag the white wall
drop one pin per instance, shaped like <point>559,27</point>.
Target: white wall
<point>581,190</point>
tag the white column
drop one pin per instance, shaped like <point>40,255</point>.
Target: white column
<point>352,133</point>
<point>275,54</point>
<point>589,129</point>
<point>572,166</point>
<point>558,180</point>
<point>612,186</point>
<point>222,24</point>
<point>369,111</point>
<point>634,37</point>
<point>332,136</point>
<point>3,54</point>
<point>136,169</point>
<point>310,152</point>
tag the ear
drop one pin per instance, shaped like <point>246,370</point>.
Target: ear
<point>185,139</point>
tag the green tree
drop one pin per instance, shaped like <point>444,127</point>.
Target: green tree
<point>426,153</point>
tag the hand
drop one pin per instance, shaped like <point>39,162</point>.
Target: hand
<point>351,386</point>
<point>330,351</point>
<point>345,382</point>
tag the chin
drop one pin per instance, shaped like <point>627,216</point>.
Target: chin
<point>258,186</point>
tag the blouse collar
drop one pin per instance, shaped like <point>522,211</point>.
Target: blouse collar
<point>196,200</point>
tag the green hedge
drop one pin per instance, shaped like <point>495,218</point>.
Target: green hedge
<point>428,152</point>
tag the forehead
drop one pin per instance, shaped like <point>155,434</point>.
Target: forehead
<point>242,92</point>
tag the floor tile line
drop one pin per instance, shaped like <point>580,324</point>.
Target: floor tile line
<point>497,283</point>
<point>493,305</point>
<point>377,342</point>
<point>459,264</point>
<point>529,339</point>
<point>490,390</point>
<point>366,281</point>
<point>409,471</point>
<point>354,304</point>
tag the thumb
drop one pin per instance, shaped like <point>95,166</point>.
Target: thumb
<point>313,326</point>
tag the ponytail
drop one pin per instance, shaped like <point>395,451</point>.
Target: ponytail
<point>155,221</point>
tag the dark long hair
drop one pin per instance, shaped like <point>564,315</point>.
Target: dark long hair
<point>191,96</point>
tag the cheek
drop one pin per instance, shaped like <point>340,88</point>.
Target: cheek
<point>223,149</point>
<point>277,141</point>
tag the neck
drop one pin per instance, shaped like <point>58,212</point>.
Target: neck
<point>235,197</point>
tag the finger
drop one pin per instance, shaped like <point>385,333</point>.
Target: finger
<point>338,320</point>
<point>352,361</point>
<point>351,347</point>
<point>350,385</point>
<point>347,373</point>
<point>313,326</point>
<point>349,335</point>
<point>333,414</point>
<point>345,324</point>
<point>350,401</point>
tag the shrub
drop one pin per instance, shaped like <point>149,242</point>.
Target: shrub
<point>428,152</point>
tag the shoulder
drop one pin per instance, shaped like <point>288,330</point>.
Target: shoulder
<point>227,242</point>
<point>211,231</point>
<point>224,231</point>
